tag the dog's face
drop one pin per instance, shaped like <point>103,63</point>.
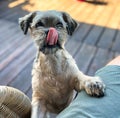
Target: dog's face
<point>49,29</point>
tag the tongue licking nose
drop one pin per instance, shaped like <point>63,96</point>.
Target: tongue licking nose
<point>52,36</point>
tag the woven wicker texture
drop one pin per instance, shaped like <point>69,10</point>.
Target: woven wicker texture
<point>13,103</point>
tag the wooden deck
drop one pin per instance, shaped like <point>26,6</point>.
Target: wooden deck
<point>96,41</point>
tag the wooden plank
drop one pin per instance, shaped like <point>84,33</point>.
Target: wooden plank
<point>72,46</point>
<point>101,58</point>
<point>17,65</point>
<point>105,16</point>
<point>10,37</point>
<point>114,21</point>
<point>83,31</point>
<point>86,13</point>
<point>83,28</point>
<point>11,43</point>
<point>29,93</point>
<point>9,11</point>
<point>8,50</point>
<point>116,43</point>
<point>106,39</point>
<point>78,10</point>
<point>77,33</point>
<point>101,21</point>
<point>9,30</point>
<point>23,80</point>
<point>2,21</point>
<point>94,35</point>
<point>7,25</point>
<point>85,56</point>
<point>94,15</point>
<point>117,54</point>
<point>14,55</point>
<point>14,16</point>
<point>3,5</point>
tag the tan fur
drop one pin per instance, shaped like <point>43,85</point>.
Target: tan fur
<point>55,81</point>
<point>55,74</point>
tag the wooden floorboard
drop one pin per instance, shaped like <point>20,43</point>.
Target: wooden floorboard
<point>14,13</point>
<point>16,53</point>
<point>73,46</point>
<point>98,60</point>
<point>83,59</point>
<point>23,78</point>
<point>107,38</point>
<point>93,36</point>
<point>29,93</point>
<point>17,65</point>
<point>116,43</point>
<point>83,31</point>
<point>94,43</point>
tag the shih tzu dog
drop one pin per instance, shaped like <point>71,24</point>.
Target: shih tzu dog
<point>55,74</point>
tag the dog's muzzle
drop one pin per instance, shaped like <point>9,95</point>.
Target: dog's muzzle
<point>52,37</point>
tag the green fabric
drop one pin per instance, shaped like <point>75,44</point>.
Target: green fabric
<point>85,106</point>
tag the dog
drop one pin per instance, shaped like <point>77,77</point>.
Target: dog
<point>55,74</point>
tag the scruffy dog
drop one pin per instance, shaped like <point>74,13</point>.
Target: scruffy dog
<point>55,74</point>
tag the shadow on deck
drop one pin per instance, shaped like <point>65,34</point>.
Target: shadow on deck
<point>92,46</point>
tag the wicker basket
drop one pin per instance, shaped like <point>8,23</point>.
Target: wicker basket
<point>14,103</point>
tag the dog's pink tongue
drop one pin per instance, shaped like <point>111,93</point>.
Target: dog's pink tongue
<point>52,36</point>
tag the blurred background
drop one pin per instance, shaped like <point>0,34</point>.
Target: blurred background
<point>95,42</point>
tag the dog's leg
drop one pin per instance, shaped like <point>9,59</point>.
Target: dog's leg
<point>38,111</point>
<point>92,85</point>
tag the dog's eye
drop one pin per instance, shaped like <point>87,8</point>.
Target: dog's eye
<point>59,25</point>
<point>39,24</point>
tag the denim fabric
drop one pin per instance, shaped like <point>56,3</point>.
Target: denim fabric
<point>85,106</point>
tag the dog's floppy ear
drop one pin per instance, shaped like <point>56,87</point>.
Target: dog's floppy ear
<point>71,23</point>
<point>25,21</point>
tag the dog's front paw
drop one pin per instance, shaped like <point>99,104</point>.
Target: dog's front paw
<point>95,87</point>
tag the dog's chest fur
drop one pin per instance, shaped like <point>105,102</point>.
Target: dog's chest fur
<point>51,79</point>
